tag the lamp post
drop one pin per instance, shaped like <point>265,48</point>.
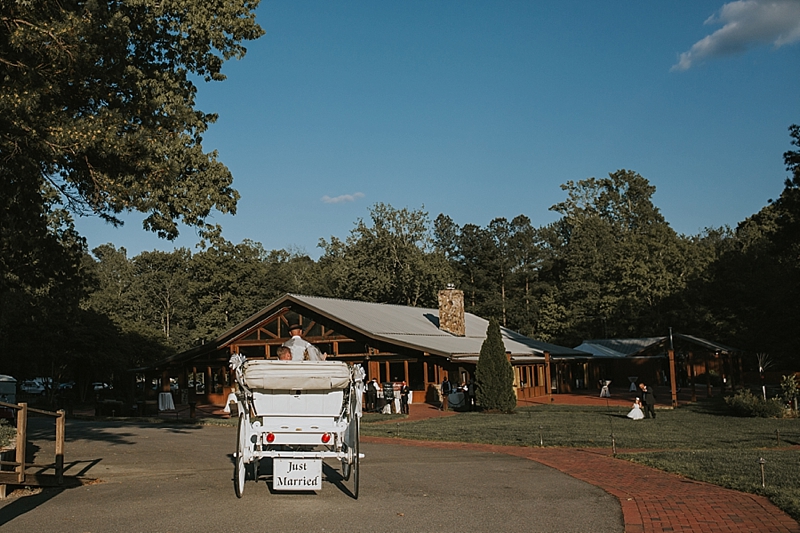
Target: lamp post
<point>672,383</point>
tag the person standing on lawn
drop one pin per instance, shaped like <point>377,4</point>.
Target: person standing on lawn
<point>404,392</point>
<point>648,401</point>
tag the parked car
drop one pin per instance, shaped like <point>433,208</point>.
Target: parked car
<point>98,386</point>
<point>32,387</point>
<point>8,394</point>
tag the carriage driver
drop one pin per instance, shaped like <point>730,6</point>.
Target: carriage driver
<point>302,350</point>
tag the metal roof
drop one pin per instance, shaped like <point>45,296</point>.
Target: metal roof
<point>711,345</point>
<point>618,347</point>
<point>632,347</point>
<point>418,327</point>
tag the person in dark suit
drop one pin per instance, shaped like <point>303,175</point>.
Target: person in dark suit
<point>648,401</point>
<point>372,395</point>
<point>404,392</point>
<point>447,388</point>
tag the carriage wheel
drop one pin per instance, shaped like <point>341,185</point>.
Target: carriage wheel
<point>355,465</point>
<point>346,467</point>
<point>239,472</point>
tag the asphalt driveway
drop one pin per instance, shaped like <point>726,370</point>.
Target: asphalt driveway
<point>179,478</point>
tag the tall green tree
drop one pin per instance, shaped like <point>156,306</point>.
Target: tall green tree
<point>750,292</point>
<point>494,376</point>
<point>616,260</point>
<point>98,116</point>
<point>527,255</point>
<point>390,258</point>
<point>43,280</point>
<point>98,104</point>
<point>229,282</point>
<point>160,293</point>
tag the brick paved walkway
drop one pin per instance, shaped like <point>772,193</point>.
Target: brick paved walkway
<point>652,501</point>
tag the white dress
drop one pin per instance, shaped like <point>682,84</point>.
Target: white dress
<point>636,413</point>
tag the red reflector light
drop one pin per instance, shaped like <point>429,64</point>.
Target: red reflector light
<point>326,438</point>
<point>270,437</point>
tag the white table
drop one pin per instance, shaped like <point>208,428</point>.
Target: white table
<point>165,402</point>
<point>604,390</point>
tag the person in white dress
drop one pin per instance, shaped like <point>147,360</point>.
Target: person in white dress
<point>636,413</point>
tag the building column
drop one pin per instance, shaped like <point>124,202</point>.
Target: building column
<point>547,377</point>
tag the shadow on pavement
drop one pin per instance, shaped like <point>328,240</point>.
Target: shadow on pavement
<point>107,431</point>
<point>24,504</point>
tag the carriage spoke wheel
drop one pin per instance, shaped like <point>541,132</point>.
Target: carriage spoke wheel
<point>350,463</point>
<point>356,460</point>
<point>239,472</point>
<point>347,469</point>
<point>354,465</point>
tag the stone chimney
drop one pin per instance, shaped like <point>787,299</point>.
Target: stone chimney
<point>451,310</point>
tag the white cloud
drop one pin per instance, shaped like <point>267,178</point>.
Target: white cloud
<point>342,198</point>
<point>746,23</point>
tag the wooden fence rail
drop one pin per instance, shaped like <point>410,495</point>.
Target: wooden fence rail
<point>20,476</point>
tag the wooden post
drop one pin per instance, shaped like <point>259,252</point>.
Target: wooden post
<point>547,383</point>
<point>708,378</point>
<point>60,434</point>
<point>405,370</point>
<point>692,375</point>
<point>22,437</point>
<point>673,385</point>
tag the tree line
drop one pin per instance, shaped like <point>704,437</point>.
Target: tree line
<point>98,117</point>
<point>610,266</point>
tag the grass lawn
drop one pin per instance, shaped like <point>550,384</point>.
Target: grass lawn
<point>701,441</point>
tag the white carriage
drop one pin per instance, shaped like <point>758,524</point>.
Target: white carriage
<point>297,413</point>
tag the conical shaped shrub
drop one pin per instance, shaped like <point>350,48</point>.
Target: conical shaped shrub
<point>494,375</point>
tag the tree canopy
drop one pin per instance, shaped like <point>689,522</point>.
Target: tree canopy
<point>610,266</point>
<point>98,104</point>
<point>388,259</point>
<point>97,116</point>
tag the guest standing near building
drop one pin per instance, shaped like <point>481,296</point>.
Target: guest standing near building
<point>404,392</point>
<point>447,388</point>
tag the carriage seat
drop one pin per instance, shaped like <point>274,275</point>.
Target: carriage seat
<point>296,375</point>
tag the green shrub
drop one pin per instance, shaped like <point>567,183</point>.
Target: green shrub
<point>494,375</point>
<point>744,403</point>
<point>789,389</point>
<point>8,433</point>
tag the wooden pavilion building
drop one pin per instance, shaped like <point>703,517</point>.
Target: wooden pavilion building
<point>392,342</point>
<point>695,362</point>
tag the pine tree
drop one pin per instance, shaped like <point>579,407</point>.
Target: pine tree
<point>494,375</point>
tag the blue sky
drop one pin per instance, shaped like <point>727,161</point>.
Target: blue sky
<point>482,109</point>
